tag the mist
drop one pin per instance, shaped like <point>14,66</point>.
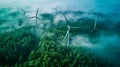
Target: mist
<point>105,46</point>
<point>106,40</point>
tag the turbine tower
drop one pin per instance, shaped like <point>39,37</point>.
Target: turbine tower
<point>95,20</point>
<point>95,23</point>
<point>67,36</point>
<point>97,15</point>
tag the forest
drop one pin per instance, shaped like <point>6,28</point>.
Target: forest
<point>60,39</point>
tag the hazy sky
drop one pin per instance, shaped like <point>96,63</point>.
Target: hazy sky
<point>100,5</point>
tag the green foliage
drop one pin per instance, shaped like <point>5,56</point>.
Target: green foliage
<point>20,48</point>
<point>15,46</point>
<point>52,54</point>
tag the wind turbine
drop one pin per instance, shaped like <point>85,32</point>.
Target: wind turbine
<point>36,17</point>
<point>24,12</point>
<point>56,8</point>
<point>96,18</point>
<point>67,36</point>
<point>97,15</point>
<point>95,23</point>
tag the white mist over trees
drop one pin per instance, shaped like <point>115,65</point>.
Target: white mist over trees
<point>96,42</point>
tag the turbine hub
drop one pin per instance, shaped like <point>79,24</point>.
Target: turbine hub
<point>68,27</point>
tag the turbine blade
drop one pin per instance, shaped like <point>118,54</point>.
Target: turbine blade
<point>39,19</point>
<point>55,8</point>
<point>32,17</point>
<point>17,7</point>
<point>24,12</point>
<point>22,9</point>
<point>36,23</point>
<point>66,19</point>
<point>37,12</point>
<point>66,35</point>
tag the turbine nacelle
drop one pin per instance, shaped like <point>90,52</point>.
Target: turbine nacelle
<point>68,27</point>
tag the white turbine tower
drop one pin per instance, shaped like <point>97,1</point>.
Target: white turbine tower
<point>96,18</point>
<point>97,15</point>
<point>67,36</point>
<point>95,23</point>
